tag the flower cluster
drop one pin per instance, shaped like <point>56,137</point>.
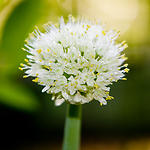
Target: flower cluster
<point>75,61</point>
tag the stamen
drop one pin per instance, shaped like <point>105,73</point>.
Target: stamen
<point>126,70</point>
<point>22,65</point>
<point>39,51</point>
<point>25,76</point>
<point>20,68</point>
<point>26,60</point>
<point>35,80</point>
<point>103,32</point>
<point>124,79</point>
<point>125,65</point>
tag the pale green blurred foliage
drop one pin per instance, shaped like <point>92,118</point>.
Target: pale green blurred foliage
<point>17,20</point>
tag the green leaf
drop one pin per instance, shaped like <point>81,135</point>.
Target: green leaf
<point>18,96</point>
<point>20,19</point>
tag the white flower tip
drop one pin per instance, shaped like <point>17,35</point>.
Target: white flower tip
<point>58,102</point>
<point>45,89</point>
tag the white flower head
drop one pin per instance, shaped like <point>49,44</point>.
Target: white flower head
<point>76,61</point>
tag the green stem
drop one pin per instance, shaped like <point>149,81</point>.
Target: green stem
<point>72,128</point>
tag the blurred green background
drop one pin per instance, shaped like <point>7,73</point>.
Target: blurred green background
<point>28,118</point>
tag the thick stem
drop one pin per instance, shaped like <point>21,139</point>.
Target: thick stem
<point>72,128</point>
